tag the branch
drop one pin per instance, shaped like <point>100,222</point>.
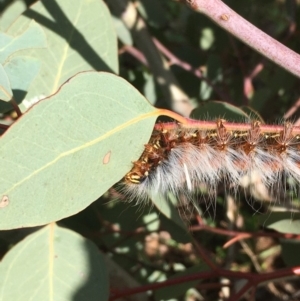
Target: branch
<point>254,279</point>
<point>213,125</point>
<point>174,60</point>
<point>243,234</point>
<point>16,107</point>
<point>4,126</point>
<point>248,33</point>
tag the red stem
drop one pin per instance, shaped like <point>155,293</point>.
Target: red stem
<point>173,59</point>
<point>292,110</point>
<point>243,234</point>
<point>212,125</point>
<point>16,107</point>
<point>253,280</point>
<point>4,126</point>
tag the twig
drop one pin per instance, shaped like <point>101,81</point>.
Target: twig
<point>253,280</point>
<point>248,86</point>
<point>135,53</point>
<point>16,107</point>
<point>212,125</point>
<point>248,33</point>
<point>174,60</point>
<point>204,256</point>
<point>243,233</point>
<point>251,255</point>
<point>4,126</point>
<point>292,110</point>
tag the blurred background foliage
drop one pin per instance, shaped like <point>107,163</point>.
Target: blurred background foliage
<point>233,72</point>
<point>146,246</point>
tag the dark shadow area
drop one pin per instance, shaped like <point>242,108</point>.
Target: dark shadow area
<point>9,238</point>
<point>4,4</point>
<point>96,286</point>
<point>19,96</point>
<point>64,27</point>
<point>96,223</point>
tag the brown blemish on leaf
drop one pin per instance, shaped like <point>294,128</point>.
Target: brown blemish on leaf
<point>106,158</point>
<point>4,201</point>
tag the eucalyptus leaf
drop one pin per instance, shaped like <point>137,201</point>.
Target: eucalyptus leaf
<point>32,36</point>
<point>11,12</point>
<point>254,115</point>
<point>80,37</point>
<point>217,109</point>
<point>28,67</point>
<point>149,88</point>
<point>53,264</point>
<point>286,226</point>
<point>5,87</point>
<point>67,150</point>
<point>122,31</point>
<point>283,222</point>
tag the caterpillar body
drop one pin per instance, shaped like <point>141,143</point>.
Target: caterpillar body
<point>179,158</point>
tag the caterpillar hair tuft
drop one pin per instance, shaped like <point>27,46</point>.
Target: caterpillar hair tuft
<point>179,158</point>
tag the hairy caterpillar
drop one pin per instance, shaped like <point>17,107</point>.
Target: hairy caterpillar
<point>179,158</point>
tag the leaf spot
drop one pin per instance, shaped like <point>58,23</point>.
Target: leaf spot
<point>4,201</point>
<point>106,158</point>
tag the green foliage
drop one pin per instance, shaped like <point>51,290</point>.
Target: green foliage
<point>216,109</point>
<point>32,175</point>
<point>53,263</point>
<point>72,44</point>
<point>13,63</point>
<point>284,222</point>
<point>69,149</point>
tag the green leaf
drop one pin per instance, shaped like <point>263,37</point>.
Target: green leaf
<point>207,38</point>
<point>80,37</point>
<point>254,115</point>
<point>70,148</point>
<point>286,226</point>
<point>218,109</point>
<point>12,11</point>
<point>122,31</point>
<point>28,67</point>
<point>5,87</point>
<point>149,88</point>
<point>283,222</point>
<point>53,264</point>
<point>31,36</point>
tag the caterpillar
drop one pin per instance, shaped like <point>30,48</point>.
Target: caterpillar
<point>180,157</point>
